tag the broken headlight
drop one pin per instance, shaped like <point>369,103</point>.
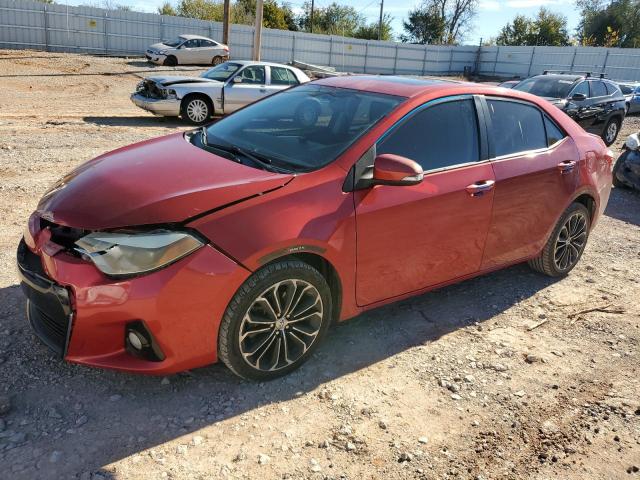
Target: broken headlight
<point>120,254</point>
<point>168,93</point>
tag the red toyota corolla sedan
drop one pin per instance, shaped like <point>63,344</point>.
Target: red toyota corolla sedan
<point>245,240</point>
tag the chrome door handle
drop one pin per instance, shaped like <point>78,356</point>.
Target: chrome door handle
<point>566,166</point>
<point>478,188</point>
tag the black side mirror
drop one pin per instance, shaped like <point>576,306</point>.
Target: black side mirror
<point>579,97</point>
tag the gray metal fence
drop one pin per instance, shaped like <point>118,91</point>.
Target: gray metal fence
<point>62,28</point>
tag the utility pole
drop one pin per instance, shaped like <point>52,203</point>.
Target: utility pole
<point>380,22</point>
<point>226,21</point>
<point>311,22</point>
<point>257,33</point>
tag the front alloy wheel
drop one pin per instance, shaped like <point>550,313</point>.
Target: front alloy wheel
<point>281,325</point>
<point>275,321</point>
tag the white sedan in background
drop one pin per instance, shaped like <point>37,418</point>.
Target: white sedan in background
<point>188,50</point>
<point>218,91</point>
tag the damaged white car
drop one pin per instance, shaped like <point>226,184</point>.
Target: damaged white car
<point>188,50</point>
<point>218,91</point>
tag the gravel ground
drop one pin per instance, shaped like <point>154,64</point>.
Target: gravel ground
<point>499,377</point>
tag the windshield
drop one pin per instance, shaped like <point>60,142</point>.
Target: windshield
<point>304,128</point>
<point>221,72</point>
<point>174,43</point>
<point>546,86</point>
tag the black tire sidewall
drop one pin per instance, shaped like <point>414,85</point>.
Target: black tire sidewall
<point>171,61</point>
<point>245,297</point>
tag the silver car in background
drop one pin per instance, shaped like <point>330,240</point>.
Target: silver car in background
<point>631,92</point>
<point>218,91</point>
<point>188,50</point>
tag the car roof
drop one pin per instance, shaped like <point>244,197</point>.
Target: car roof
<point>563,76</point>
<point>188,36</point>
<point>390,84</point>
<point>257,62</point>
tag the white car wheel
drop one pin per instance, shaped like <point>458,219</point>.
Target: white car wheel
<point>197,110</point>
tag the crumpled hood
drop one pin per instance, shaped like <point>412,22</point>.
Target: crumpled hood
<point>164,180</point>
<point>173,80</point>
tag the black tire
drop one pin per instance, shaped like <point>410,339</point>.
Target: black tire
<point>217,60</point>
<point>196,109</point>
<point>170,61</point>
<point>257,286</point>
<point>547,262</point>
<point>606,134</point>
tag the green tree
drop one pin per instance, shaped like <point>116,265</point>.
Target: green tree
<point>333,19</point>
<point>202,9</point>
<point>167,9</point>
<point>547,28</point>
<point>616,23</point>
<point>370,31</point>
<point>439,21</point>
<point>274,15</point>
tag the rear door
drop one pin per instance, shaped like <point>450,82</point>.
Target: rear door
<point>414,237</point>
<point>536,173</point>
<point>252,87</point>
<point>280,78</point>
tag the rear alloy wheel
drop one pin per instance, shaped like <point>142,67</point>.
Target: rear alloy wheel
<point>566,244</point>
<point>217,60</point>
<point>196,110</point>
<point>611,131</point>
<point>170,61</point>
<point>275,321</point>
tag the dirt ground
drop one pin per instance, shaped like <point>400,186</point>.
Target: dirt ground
<point>495,378</point>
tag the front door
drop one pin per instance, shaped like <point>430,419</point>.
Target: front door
<point>536,175</point>
<point>252,87</point>
<point>413,237</point>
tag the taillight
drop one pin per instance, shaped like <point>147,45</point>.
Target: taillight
<point>224,47</point>
<point>608,156</point>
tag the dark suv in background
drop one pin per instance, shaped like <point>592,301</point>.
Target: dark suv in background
<point>595,103</point>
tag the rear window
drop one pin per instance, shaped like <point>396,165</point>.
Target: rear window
<point>551,87</point>
<point>612,88</point>
<point>283,76</point>
<point>515,127</point>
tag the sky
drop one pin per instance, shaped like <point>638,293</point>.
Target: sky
<point>492,14</point>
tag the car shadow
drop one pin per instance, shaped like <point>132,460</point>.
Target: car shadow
<point>137,121</point>
<point>624,205</point>
<point>95,417</point>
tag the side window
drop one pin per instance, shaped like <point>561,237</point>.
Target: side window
<point>612,89</point>
<point>554,134</point>
<point>253,75</point>
<point>282,76</point>
<point>428,138</point>
<point>626,89</point>
<point>191,44</point>
<point>515,127</point>
<point>598,89</point>
<point>582,87</point>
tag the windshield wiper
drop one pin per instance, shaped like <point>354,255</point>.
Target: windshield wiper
<point>261,160</point>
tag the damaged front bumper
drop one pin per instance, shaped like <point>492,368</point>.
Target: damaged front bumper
<point>85,316</point>
<point>169,107</point>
